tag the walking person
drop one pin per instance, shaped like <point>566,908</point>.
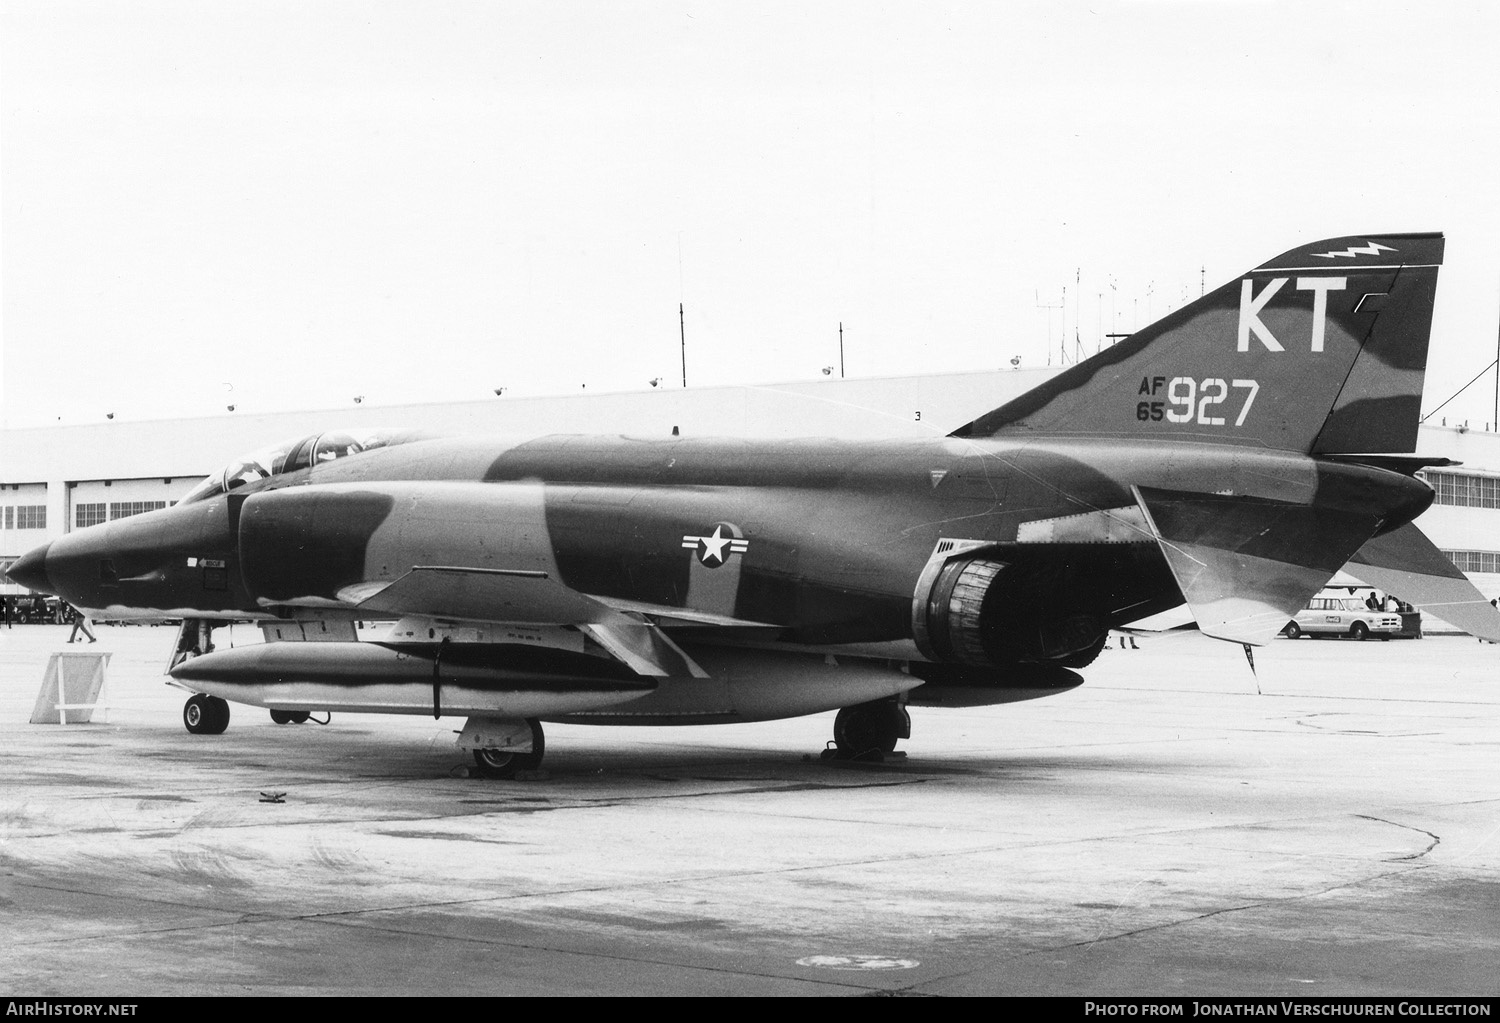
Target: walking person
<point>81,624</point>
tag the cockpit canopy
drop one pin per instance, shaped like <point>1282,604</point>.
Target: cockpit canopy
<point>297,454</point>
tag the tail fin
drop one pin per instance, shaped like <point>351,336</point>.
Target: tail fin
<point>1321,350</point>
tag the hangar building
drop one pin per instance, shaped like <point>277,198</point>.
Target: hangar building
<point>60,478</point>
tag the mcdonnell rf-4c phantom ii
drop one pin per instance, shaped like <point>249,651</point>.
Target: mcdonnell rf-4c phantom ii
<point>1233,456</point>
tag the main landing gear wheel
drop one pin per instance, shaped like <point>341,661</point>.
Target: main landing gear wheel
<point>500,763</point>
<point>871,727</point>
<point>205,715</point>
<point>1083,658</point>
<point>289,717</point>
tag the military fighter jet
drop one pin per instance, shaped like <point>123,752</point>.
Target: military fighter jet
<point>1233,456</point>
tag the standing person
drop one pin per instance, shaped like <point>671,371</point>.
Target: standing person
<point>81,624</point>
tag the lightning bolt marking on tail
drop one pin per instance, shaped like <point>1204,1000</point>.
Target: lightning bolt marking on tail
<point>1367,249</point>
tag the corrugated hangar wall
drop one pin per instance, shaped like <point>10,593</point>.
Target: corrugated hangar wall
<point>57,478</point>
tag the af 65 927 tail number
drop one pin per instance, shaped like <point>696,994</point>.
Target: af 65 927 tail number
<point>1189,400</point>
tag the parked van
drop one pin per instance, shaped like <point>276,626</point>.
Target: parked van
<point>1342,616</point>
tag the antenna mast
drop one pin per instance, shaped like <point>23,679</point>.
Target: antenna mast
<point>1062,346</point>
<point>1077,312</point>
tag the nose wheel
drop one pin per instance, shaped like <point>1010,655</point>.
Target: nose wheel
<point>205,715</point>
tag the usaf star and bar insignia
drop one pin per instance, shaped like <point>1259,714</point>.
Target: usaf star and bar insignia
<point>715,549</point>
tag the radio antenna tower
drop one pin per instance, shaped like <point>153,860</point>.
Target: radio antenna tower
<point>1078,352</point>
<point>1062,347</point>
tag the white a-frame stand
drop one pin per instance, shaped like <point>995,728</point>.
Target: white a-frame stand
<point>72,689</point>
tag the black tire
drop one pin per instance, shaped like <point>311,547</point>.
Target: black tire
<point>1359,630</point>
<point>495,763</point>
<point>298,717</point>
<point>195,714</point>
<point>1292,631</point>
<point>205,715</point>
<point>281,717</point>
<point>1083,658</point>
<point>873,727</point>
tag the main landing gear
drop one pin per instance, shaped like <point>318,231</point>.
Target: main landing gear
<point>290,717</point>
<point>870,730</point>
<point>205,715</point>
<point>499,763</point>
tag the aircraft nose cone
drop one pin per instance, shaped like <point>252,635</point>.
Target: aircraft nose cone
<point>30,570</point>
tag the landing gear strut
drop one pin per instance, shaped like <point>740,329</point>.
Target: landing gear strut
<point>871,728</point>
<point>499,763</point>
<point>195,637</point>
<point>205,715</point>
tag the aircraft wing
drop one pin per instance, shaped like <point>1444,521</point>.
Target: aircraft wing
<point>683,617</point>
<point>1247,566</point>
<point>523,596</point>
<point>1406,564</point>
<point>528,597</point>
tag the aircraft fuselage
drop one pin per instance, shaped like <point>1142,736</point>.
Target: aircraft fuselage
<point>825,539</point>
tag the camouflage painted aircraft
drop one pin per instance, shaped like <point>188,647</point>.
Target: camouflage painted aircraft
<point>1232,456</point>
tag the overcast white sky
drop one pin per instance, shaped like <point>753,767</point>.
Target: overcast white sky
<point>282,205</point>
